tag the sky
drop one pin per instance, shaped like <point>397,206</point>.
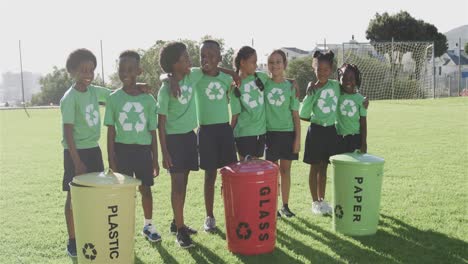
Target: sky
<point>50,29</point>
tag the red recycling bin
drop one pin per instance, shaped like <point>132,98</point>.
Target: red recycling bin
<point>250,203</point>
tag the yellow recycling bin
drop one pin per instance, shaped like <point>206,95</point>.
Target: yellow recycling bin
<point>104,217</point>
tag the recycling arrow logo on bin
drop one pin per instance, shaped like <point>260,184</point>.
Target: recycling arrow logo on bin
<point>339,211</point>
<point>89,251</point>
<point>243,231</point>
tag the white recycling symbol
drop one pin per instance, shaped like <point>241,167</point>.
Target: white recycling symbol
<point>140,124</point>
<point>248,99</point>
<point>92,115</point>
<point>185,95</point>
<point>280,100</point>
<point>210,91</point>
<point>325,96</point>
<point>352,106</point>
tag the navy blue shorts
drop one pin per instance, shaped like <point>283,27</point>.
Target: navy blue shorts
<point>279,146</point>
<point>216,146</point>
<point>92,159</point>
<point>321,143</point>
<point>135,161</point>
<point>251,145</point>
<point>349,143</point>
<point>184,152</point>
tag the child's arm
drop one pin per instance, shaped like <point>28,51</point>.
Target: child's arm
<point>365,103</point>
<point>167,161</point>
<point>297,131</point>
<point>111,148</point>
<point>80,167</point>
<point>363,123</point>
<point>154,149</point>
<point>235,77</point>
<point>234,120</point>
<point>295,86</point>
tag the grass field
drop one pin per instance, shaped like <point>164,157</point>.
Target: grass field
<point>423,208</point>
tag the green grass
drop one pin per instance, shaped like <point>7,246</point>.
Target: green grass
<point>423,207</point>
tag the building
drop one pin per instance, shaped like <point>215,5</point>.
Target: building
<point>10,88</point>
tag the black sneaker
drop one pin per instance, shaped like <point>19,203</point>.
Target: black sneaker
<point>189,230</point>
<point>71,248</point>
<point>173,228</point>
<point>278,214</point>
<point>284,211</point>
<point>183,238</point>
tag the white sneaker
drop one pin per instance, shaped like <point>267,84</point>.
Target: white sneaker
<point>316,208</point>
<point>325,208</point>
<point>149,231</point>
<point>210,224</point>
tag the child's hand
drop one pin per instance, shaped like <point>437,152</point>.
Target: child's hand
<point>167,161</point>
<point>365,103</point>
<point>296,146</point>
<point>155,169</point>
<point>80,168</point>
<point>237,80</point>
<point>364,148</point>
<point>175,88</point>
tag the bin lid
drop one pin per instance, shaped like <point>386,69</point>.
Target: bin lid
<point>106,179</point>
<point>250,167</point>
<point>356,158</point>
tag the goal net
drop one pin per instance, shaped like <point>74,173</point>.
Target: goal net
<point>392,70</point>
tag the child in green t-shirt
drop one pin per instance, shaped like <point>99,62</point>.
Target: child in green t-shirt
<point>283,137</point>
<point>247,105</point>
<point>319,107</point>
<point>177,119</point>
<point>81,128</point>
<point>215,136</point>
<point>351,120</point>
<point>131,137</point>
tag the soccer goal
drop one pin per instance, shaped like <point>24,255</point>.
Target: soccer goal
<point>393,70</point>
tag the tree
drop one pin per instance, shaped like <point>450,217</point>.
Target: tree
<point>403,27</point>
<point>301,70</point>
<point>466,48</point>
<point>53,86</point>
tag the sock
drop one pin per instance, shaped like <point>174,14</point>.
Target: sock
<point>148,222</point>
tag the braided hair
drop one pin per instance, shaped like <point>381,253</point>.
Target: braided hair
<point>350,67</point>
<point>320,56</point>
<point>243,54</point>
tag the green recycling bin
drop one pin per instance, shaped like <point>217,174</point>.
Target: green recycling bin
<point>104,216</point>
<point>357,184</point>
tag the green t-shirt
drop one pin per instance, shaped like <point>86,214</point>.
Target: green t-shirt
<point>280,100</point>
<point>320,106</point>
<point>250,107</point>
<point>212,100</point>
<point>350,110</point>
<point>180,112</point>
<point>81,109</point>
<point>132,116</point>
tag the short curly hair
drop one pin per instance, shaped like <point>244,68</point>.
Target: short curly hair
<point>170,54</point>
<point>77,57</point>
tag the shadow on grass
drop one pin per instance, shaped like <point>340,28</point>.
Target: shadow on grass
<point>408,244</point>
<point>342,247</point>
<point>202,254</point>
<point>219,233</point>
<point>165,256</point>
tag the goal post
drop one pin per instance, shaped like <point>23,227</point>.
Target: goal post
<point>393,70</point>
